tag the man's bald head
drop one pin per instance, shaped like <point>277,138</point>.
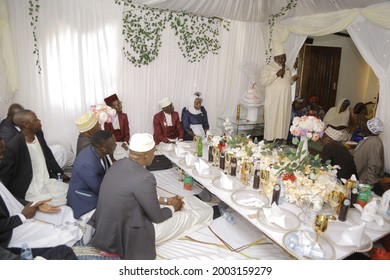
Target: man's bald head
<point>12,110</point>
<point>27,119</point>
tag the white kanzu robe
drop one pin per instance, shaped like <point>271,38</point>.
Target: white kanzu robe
<point>277,104</point>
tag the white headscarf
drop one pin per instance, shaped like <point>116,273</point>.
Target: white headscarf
<point>334,118</point>
<point>192,99</point>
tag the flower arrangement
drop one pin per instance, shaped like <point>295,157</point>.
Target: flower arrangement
<point>103,113</point>
<point>308,127</point>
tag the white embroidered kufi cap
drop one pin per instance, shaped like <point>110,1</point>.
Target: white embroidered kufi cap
<point>375,125</point>
<point>165,102</point>
<point>278,49</point>
<point>334,133</point>
<point>86,122</point>
<point>141,142</point>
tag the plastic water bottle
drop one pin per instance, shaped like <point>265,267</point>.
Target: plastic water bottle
<point>25,253</point>
<point>225,214</point>
<point>59,177</point>
<point>282,191</point>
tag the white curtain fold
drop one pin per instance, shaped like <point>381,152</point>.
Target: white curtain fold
<point>7,49</point>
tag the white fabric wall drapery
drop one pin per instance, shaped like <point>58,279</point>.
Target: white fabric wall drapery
<point>82,62</point>
<point>370,32</point>
<point>9,82</point>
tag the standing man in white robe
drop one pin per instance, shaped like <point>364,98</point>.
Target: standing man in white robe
<point>277,79</point>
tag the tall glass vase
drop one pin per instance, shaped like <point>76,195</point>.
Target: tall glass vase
<point>304,145</point>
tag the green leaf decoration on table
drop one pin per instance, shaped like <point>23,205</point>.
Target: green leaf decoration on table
<point>143,27</point>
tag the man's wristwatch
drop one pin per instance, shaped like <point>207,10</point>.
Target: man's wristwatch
<point>165,201</point>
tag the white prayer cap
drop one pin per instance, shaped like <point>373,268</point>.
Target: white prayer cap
<point>141,142</point>
<point>375,125</point>
<point>333,133</point>
<point>278,49</point>
<point>86,122</point>
<point>165,102</point>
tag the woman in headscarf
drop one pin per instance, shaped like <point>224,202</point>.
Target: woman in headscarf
<point>194,118</point>
<point>338,117</point>
<point>314,109</point>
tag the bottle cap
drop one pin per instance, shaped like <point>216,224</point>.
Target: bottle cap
<point>346,202</point>
<point>277,187</point>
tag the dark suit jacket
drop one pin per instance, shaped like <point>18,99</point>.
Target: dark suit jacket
<point>160,127</point>
<point>84,185</point>
<point>122,135</point>
<point>7,223</point>
<point>16,168</point>
<point>7,130</point>
<point>126,209</point>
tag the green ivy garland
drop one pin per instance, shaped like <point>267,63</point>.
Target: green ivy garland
<point>143,26</point>
<point>33,11</point>
<point>271,24</point>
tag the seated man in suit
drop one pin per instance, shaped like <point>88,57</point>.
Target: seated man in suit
<point>119,127</point>
<point>166,124</point>
<point>87,125</point>
<point>88,171</point>
<point>29,164</point>
<point>9,130</point>
<point>129,219</point>
<point>17,225</point>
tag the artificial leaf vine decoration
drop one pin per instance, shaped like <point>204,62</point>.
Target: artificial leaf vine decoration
<point>33,11</point>
<point>143,26</point>
<point>198,35</point>
<point>271,24</point>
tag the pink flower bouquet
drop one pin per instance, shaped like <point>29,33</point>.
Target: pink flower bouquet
<point>103,113</point>
<point>308,127</point>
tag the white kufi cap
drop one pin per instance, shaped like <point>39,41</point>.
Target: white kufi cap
<point>165,102</point>
<point>278,49</point>
<point>375,125</point>
<point>141,142</point>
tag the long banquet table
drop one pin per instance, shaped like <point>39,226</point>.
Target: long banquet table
<point>250,215</point>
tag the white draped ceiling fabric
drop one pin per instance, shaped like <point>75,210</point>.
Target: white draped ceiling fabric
<point>80,43</point>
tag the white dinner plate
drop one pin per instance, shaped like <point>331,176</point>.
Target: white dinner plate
<point>241,198</point>
<point>237,184</point>
<point>322,242</point>
<point>355,217</point>
<point>214,172</point>
<point>334,233</point>
<point>292,221</point>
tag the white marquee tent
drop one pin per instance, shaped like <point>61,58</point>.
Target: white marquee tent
<point>80,52</point>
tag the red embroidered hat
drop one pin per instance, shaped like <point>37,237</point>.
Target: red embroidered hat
<point>111,99</point>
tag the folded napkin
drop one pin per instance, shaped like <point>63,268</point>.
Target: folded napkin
<point>385,200</point>
<point>202,167</point>
<point>275,215</point>
<point>369,212</point>
<point>226,182</point>
<point>352,236</point>
<point>190,159</point>
<point>180,151</point>
<point>252,201</point>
